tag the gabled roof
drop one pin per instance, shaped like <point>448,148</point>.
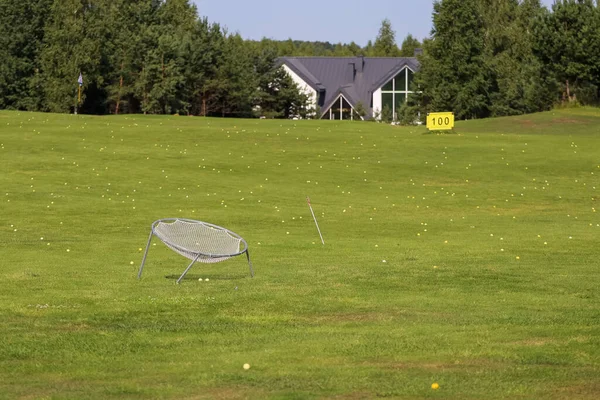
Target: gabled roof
<point>355,77</point>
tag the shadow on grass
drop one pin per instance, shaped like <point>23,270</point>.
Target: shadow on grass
<point>441,132</point>
<point>195,277</point>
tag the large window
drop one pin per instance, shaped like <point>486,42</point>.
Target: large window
<point>396,91</point>
<point>341,109</point>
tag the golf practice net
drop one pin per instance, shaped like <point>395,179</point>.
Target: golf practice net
<point>198,241</point>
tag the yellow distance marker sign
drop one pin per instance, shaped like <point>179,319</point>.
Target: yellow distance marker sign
<point>440,121</point>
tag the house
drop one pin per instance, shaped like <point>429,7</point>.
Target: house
<point>338,85</point>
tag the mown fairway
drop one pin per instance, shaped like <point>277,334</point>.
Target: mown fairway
<point>468,259</point>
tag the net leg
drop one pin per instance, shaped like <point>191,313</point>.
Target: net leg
<point>249,264</point>
<point>145,254</point>
<point>188,268</point>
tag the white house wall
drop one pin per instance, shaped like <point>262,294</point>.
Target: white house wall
<point>303,86</point>
<point>377,103</point>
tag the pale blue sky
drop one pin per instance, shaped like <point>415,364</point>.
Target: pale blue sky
<point>325,20</point>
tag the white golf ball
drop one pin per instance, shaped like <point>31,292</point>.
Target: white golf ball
<point>200,279</point>
<point>246,366</point>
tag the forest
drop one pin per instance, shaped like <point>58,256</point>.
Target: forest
<point>483,58</point>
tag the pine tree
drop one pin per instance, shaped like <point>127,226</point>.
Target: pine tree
<point>126,21</point>
<point>277,94</point>
<point>236,79</point>
<point>204,55</point>
<point>385,43</point>
<point>166,37</point>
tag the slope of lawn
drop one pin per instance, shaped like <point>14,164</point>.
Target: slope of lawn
<point>469,259</point>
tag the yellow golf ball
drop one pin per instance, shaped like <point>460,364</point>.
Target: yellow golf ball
<point>435,386</point>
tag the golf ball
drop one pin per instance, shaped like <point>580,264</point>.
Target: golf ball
<point>246,366</point>
<point>435,386</point>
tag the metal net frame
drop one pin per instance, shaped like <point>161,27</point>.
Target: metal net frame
<point>198,241</point>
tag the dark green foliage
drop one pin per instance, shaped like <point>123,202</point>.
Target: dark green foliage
<point>206,54</point>
<point>408,114</point>
<point>387,114</point>
<point>453,76</point>
<point>360,109</point>
<point>21,35</point>
<point>236,80</point>
<point>493,58</point>
<point>567,41</point>
<point>162,70</point>
<point>515,74</point>
<point>279,96</point>
<point>74,38</point>
<point>130,23</point>
<point>299,48</point>
<point>135,56</point>
<point>485,58</point>
<point>385,43</point>
<point>409,45</point>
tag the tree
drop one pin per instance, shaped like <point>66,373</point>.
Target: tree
<point>67,52</point>
<point>369,50</point>
<point>205,55</point>
<point>516,80</point>
<point>235,81</point>
<point>453,76</point>
<point>21,38</point>
<point>567,42</point>
<point>485,58</point>
<point>387,114</point>
<point>279,96</point>
<point>385,43</point>
<point>354,49</point>
<point>409,45</point>
<point>360,109</point>
<point>408,114</point>
<point>127,22</point>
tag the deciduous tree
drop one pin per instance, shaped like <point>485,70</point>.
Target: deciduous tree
<point>567,41</point>
<point>409,45</point>
<point>453,76</point>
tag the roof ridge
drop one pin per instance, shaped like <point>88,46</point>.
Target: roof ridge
<point>331,76</point>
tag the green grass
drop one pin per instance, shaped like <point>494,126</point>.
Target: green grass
<point>490,285</point>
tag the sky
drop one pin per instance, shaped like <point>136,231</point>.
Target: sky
<point>332,21</point>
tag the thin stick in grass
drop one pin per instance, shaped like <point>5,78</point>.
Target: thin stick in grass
<point>315,218</point>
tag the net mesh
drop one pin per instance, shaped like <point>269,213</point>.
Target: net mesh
<point>192,238</point>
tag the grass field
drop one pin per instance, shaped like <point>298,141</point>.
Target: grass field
<point>470,260</point>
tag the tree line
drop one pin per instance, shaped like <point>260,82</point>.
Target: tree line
<point>144,56</point>
<point>490,58</point>
<point>483,58</point>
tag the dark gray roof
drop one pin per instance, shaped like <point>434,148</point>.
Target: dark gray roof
<point>355,77</point>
